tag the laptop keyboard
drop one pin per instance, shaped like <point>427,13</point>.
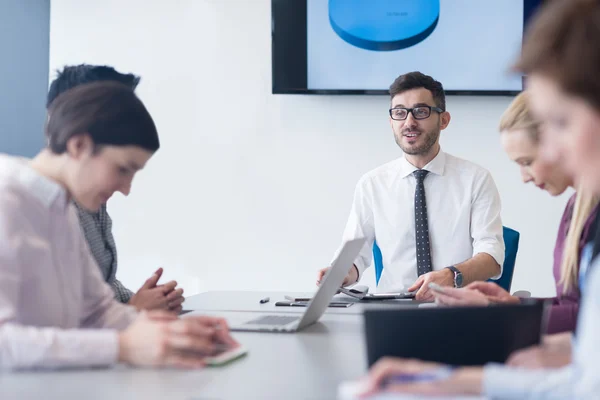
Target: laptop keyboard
<point>272,320</point>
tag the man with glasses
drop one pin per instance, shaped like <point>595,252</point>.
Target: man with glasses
<point>435,217</point>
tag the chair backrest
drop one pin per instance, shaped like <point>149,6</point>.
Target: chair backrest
<point>378,261</point>
<point>511,243</point>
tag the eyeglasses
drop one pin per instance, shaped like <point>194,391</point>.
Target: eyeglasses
<point>421,112</point>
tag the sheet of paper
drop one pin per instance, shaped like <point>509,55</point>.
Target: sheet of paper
<point>352,390</point>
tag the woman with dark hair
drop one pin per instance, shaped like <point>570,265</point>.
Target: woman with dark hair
<point>55,308</point>
<point>97,225</point>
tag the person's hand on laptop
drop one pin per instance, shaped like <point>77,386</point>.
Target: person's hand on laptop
<point>152,296</point>
<point>444,277</point>
<point>350,279</point>
<point>159,338</point>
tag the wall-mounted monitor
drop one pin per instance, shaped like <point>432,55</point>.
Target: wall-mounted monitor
<point>361,46</point>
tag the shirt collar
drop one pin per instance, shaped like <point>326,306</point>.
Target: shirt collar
<point>47,191</point>
<point>435,166</point>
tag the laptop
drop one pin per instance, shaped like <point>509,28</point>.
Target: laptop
<point>454,335</point>
<point>317,305</point>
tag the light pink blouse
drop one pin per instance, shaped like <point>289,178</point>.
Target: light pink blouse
<point>55,308</point>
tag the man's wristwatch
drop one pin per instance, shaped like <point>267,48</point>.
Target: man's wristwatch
<point>458,276</point>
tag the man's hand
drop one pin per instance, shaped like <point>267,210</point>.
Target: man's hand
<point>158,297</point>
<point>175,300</point>
<point>494,293</point>
<point>350,279</point>
<point>158,338</point>
<point>444,277</point>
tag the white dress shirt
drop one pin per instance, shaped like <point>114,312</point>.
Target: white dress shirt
<point>580,380</point>
<point>55,308</point>
<point>463,209</point>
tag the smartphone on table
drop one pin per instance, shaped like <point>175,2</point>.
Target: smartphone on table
<point>226,356</point>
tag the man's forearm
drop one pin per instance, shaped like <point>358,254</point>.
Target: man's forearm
<point>354,274</point>
<point>479,268</point>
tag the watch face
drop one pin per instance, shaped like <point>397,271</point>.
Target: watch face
<point>458,280</point>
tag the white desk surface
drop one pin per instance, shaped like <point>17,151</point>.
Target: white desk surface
<point>250,301</point>
<point>306,365</point>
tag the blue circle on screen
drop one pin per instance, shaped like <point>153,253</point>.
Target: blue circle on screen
<point>384,25</point>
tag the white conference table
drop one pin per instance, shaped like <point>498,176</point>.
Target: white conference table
<point>242,301</point>
<point>305,365</point>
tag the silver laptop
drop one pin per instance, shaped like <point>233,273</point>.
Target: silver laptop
<point>319,303</point>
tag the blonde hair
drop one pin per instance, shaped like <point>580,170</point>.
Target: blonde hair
<point>584,205</point>
<point>518,116</point>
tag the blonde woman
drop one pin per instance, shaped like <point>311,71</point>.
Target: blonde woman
<point>520,140</point>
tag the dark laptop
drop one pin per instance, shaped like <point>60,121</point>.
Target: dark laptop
<point>454,335</point>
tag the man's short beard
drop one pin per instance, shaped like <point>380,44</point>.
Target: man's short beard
<point>430,140</point>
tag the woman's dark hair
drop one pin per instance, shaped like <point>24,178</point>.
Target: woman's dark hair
<point>75,75</point>
<point>109,112</point>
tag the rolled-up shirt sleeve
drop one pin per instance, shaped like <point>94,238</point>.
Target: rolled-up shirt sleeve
<point>360,224</point>
<point>486,223</point>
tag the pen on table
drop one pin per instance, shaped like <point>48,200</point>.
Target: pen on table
<point>265,300</point>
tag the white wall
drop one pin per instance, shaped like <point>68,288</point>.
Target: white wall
<point>250,191</point>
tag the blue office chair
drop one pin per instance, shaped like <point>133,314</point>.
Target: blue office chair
<point>511,243</point>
